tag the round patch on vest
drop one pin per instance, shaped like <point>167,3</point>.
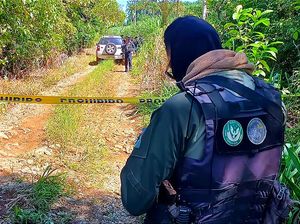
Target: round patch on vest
<point>233,133</point>
<point>256,131</point>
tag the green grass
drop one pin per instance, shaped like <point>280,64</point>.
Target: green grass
<point>29,216</point>
<point>168,90</point>
<point>40,198</point>
<point>290,175</point>
<point>47,190</point>
<point>65,126</point>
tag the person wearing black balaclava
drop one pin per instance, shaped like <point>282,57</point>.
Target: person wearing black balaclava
<point>175,141</point>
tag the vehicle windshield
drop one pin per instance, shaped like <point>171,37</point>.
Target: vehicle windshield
<point>114,40</point>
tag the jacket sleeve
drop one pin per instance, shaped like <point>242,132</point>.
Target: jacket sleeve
<point>153,159</point>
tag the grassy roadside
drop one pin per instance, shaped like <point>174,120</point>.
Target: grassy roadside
<point>73,127</point>
<point>41,80</point>
<point>81,159</point>
<point>37,82</point>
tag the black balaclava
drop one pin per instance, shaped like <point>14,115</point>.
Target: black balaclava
<point>188,38</point>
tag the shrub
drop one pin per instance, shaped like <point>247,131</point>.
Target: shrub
<point>34,32</point>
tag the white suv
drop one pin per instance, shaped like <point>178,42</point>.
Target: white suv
<point>110,47</point>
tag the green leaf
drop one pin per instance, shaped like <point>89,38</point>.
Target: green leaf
<point>248,15</point>
<point>266,12</point>
<point>248,10</point>
<point>295,159</point>
<point>240,23</point>
<point>259,72</point>
<point>227,25</point>
<point>265,64</point>
<point>230,43</point>
<point>258,13</point>
<point>273,49</point>
<point>294,187</point>
<point>275,43</point>
<point>240,49</point>
<point>233,33</point>
<point>272,53</point>
<point>255,45</point>
<point>264,21</point>
<point>296,35</point>
<point>259,34</point>
<point>236,16</point>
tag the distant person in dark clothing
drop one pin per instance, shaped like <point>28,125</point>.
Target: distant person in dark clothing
<point>136,43</point>
<point>128,49</point>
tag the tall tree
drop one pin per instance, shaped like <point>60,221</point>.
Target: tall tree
<point>204,8</point>
<point>164,8</point>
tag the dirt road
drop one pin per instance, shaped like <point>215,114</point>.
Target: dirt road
<point>22,128</point>
<point>22,132</point>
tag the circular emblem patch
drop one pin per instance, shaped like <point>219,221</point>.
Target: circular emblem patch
<point>256,131</point>
<point>233,133</point>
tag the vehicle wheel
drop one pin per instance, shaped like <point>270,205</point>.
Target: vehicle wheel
<point>110,49</point>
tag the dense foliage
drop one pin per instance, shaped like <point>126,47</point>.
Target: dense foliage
<point>32,32</point>
<point>144,28</point>
<point>284,26</point>
<point>244,36</point>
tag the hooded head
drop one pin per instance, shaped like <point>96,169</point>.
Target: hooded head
<point>186,39</point>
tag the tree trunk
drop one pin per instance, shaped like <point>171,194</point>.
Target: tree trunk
<point>135,13</point>
<point>204,9</point>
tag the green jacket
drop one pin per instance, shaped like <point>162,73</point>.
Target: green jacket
<point>158,148</point>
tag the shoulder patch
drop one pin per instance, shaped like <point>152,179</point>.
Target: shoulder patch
<point>233,133</point>
<point>256,131</point>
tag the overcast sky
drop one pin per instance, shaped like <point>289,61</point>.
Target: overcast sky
<point>124,2</point>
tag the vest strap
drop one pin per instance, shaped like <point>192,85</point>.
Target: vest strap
<point>270,106</point>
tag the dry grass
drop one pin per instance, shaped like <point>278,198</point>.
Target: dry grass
<point>40,80</point>
<point>150,63</point>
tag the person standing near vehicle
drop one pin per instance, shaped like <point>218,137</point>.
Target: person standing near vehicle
<point>128,49</point>
<point>211,153</point>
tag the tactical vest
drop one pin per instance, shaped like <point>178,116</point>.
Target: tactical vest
<point>243,146</point>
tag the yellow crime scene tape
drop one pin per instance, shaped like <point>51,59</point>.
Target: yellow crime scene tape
<point>76,100</point>
<point>30,99</point>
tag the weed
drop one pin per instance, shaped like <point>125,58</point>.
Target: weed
<point>63,126</point>
<point>39,198</point>
<point>29,216</point>
<point>47,190</point>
